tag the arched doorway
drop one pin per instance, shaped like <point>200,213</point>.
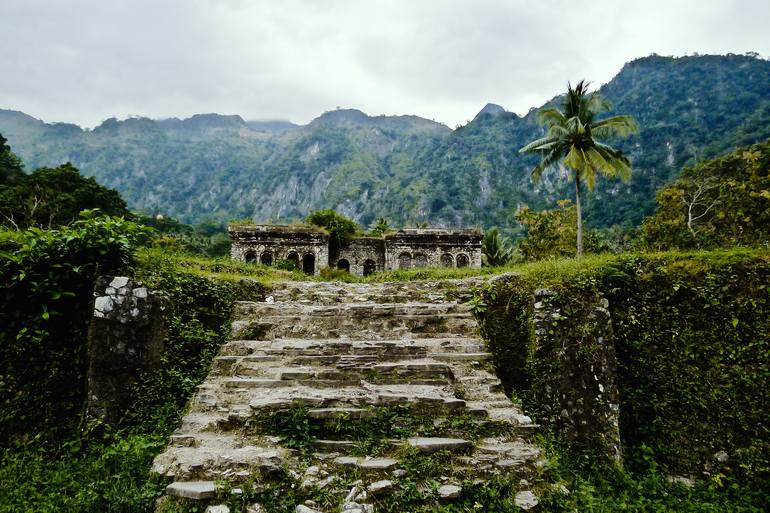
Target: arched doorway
<point>462,260</point>
<point>293,257</point>
<point>370,266</point>
<point>447,260</point>
<point>343,265</point>
<point>420,260</point>
<point>250,257</point>
<point>266,258</point>
<point>308,264</point>
<point>404,261</point>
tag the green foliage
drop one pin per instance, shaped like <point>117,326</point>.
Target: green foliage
<point>340,228</point>
<point>549,233</point>
<point>719,203</point>
<point>107,476</point>
<point>61,468</point>
<point>11,167</point>
<point>380,227</point>
<point>580,486</point>
<point>691,340</point>
<point>51,197</point>
<point>47,280</point>
<point>496,251</point>
<point>552,234</point>
<point>207,238</point>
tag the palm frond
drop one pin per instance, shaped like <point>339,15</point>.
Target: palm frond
<point>614,126</point>
<point>536,145</point>
<point>550,116</point>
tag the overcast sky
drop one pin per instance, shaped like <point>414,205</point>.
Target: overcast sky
<point>83,61</point>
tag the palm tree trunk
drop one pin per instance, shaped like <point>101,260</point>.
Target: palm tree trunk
<point>579,216</point>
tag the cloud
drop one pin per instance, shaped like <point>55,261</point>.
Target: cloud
<point>86,60</point>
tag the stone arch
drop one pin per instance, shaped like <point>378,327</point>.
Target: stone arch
<point>447,260</point>
<point>308,263</point>
<point>463,260</point>
<point>293,257</point>
<point>370,266</point>
<point>266,258</point>
<point>250,257</point>
<point>404,260</point>
<point>343,264</point>
<point>420,260</point>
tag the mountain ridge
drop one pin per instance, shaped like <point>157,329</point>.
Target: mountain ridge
<point>406,168</point>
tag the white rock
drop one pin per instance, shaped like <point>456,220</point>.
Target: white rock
<point>526,500</point>
<point>219,508</point>
<point>301,508</point>
<point>449,491</point>
<point>255,508</point>
<point>119,281</point>
<point>380,486</point>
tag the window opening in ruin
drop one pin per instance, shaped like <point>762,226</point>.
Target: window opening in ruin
<point>370,266</point>
<point>250,257</point>
<point>294,257</point>
<point>462,260</point>
<point>447,260</point>
<point>266,258</point>
<point>343,265</point>
<point>420,260</point>
<point>308,264</point>
<point>404,261</point>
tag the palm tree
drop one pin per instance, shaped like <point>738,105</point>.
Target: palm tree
<point>495,250</point>
<point>573,139</point>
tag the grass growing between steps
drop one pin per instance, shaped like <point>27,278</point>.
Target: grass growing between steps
<point>380,432</point>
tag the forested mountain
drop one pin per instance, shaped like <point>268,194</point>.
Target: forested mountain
<point>406,168</point>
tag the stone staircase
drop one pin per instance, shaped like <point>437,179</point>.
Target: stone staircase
<point>333,388</point>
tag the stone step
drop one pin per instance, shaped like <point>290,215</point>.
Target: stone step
<point>404,326</point>
<point>388,292</point>
<point>207,457</point>
<point>431,445</point>
<point>259,310</point>
<point>375,464</point>
<point>263,350</point>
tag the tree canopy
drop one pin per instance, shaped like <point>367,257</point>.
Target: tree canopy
<point>51,197</point>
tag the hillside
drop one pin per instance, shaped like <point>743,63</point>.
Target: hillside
<point>406,168</point>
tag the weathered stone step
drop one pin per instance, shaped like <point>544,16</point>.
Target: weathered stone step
<point>376,464</point>
<point>260,310</point>
<point>369,328</point>
<point>387,292</point>
<point>431,445</point>
<point>206,457</point>
<point>265,350</point>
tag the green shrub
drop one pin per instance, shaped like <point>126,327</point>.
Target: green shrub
<point>47,279</point>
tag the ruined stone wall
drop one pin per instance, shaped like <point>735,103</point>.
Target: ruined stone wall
<point>364,252</point>
<point>405,249</point>
<point>433,248</point>
<point>268,244</point>
<point>125,340</point>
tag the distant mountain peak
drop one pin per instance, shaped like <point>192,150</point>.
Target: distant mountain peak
<point>343,116</point>
<point>491,109</point>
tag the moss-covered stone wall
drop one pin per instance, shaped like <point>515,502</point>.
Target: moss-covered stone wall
<point>690,336</point>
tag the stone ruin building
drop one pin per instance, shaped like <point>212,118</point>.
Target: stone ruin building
<point>309,248</point>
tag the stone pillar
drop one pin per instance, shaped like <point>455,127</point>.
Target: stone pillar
<point>574,370</point>
<point>125,339</point>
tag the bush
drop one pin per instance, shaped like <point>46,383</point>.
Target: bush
<point>47,278</point>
